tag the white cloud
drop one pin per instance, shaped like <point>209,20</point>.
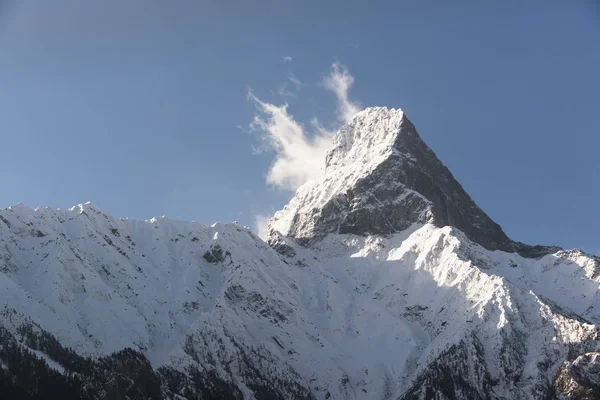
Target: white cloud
<point>261,225</point>
<point>287,58</point>
<point>285,91</point>
<point>339,82</point>
<point>295,80</point>
<point>299,158</point>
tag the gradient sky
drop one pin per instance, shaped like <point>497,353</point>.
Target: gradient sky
<point>141,106</point>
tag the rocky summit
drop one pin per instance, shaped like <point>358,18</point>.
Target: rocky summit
<point>381,279</point>
<point>380,178</point>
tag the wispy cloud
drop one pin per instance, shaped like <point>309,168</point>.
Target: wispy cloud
<point>285,91</point>
<point>299,153</point>
<point>290,87</point>
<point>287,58</point>
<point>261,225</point>
<point>295,80</point>
<point>339,82</point>
<point>299,157</point>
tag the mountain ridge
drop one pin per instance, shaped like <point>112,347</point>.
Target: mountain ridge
<point>363,291</point>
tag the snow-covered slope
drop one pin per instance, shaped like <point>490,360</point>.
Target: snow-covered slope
<point>340,304</point>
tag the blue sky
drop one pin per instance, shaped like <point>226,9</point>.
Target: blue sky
<point>142,107</point>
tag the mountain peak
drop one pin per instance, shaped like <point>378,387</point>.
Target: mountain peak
<point>380,178</point>
<point>370,131</point>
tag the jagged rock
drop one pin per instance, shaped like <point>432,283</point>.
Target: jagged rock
<point>278,243</point>
<point>215,254</point>
<point>580,379</point>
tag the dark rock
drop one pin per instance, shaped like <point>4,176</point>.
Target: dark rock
<point>580,379</point>
<point>215,254</point>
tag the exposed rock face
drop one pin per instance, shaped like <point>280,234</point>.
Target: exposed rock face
<point>580,378</point>
<point>380,178</point>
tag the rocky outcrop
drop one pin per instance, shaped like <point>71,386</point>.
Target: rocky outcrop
<point>580,378</point>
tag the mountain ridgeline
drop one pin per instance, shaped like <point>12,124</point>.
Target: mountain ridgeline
<point>381,279</point>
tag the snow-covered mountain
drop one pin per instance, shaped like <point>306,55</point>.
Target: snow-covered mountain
<point>380,280</point>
